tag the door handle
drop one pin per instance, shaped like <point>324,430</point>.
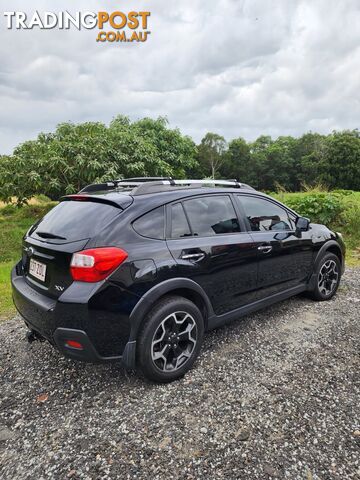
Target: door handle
<point>195,257</point>
<point>265,248</point>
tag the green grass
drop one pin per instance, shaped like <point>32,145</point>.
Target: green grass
<point>14,222</point>
<point>6,305</point>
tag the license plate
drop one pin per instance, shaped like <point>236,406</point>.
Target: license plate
<point>37,269</point>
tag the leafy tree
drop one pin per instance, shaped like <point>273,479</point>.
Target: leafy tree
<point>57,163</point>
<point>259,155</point>
<point>129,152</point>
<point>282,162</point>
<point>271,163</point>
<point>343,160</point>
<point>261,144</point>
<point>211,153</point>
<point>149,148</point>
<point>310,159</point>
<point>20,175</point>
<point>238,162</point>
<point>75,155</point>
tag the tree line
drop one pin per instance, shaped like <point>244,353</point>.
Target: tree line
<point>75,155</point>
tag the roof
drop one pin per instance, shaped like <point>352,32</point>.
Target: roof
<point>149,193</point>
<point>144,185</point>
<point>153,193</point>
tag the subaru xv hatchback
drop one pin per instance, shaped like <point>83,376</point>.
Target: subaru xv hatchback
<point>136,270</point>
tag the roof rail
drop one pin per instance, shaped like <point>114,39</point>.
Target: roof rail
<point>144,185</point>
<point>144,179</point>
<point>230,183</point>
<point>143,188</point>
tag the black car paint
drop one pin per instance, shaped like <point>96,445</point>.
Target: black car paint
<point>233,279</point>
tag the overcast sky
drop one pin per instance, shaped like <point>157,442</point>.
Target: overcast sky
<point>238,68</point>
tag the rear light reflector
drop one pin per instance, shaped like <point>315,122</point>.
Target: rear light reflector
<point>74,344</point>
<point>96,264</point>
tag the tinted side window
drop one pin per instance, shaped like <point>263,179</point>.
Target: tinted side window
<point>264,215</point>
<point>179,224</point>
<point>151,224</point>
<point>211,215</point>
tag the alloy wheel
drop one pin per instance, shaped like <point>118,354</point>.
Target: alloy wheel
<point>174,341</point>
<point>328,277</point>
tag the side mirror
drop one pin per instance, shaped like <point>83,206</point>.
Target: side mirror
<point>302,225</point>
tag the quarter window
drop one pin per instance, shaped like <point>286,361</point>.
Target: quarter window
<point>151,224</point>
<point>265,216</point>
<point>211,215</point>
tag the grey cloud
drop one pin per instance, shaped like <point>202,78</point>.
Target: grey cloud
<point>237,67</point>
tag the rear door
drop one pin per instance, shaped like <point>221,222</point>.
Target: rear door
<point>209,244</point>
<point>284,259</point>
<point>50,243</point>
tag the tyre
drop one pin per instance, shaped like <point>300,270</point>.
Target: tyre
<point>170,339</point>
<point>328,274</point>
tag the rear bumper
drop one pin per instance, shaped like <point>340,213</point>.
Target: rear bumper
<point>57,322</point>
<point>87,352</point>
<point>37,310</point>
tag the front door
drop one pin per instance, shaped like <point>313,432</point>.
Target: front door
<point>284,259</point>
<point>207,242</point>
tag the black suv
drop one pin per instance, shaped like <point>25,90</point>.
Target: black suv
<point>138,269</point>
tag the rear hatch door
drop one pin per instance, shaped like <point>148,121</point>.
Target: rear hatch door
<point>49,244</point>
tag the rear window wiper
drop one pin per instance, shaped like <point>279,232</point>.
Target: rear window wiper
<point>49,235</point>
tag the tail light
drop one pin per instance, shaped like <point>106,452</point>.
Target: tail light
<point>96,264</point>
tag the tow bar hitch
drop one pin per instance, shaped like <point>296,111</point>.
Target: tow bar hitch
<point>32,336</point>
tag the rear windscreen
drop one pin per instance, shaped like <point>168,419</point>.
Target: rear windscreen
<point>74,220</point>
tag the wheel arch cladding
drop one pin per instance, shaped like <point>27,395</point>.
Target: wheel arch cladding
<point>182,287</point>
<point>195,298</point>
<point>329,247</point>
<point>335,249</point>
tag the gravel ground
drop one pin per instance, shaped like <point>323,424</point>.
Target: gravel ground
<point>274,395</point>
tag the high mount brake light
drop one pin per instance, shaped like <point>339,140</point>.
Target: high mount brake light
<point>96,264</point>
<point>80,198</point>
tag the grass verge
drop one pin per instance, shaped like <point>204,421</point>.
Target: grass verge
<point>14,222</point>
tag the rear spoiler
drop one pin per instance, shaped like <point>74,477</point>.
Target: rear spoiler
<point>91,198</point>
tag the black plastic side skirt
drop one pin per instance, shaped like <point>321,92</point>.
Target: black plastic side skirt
<point>216,321</point>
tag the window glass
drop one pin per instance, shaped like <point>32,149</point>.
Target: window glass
<point>76,220</point>
<point>151,224</point>
<point>264,215</point>
<point>179,224</point>
<point>211,215</point>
